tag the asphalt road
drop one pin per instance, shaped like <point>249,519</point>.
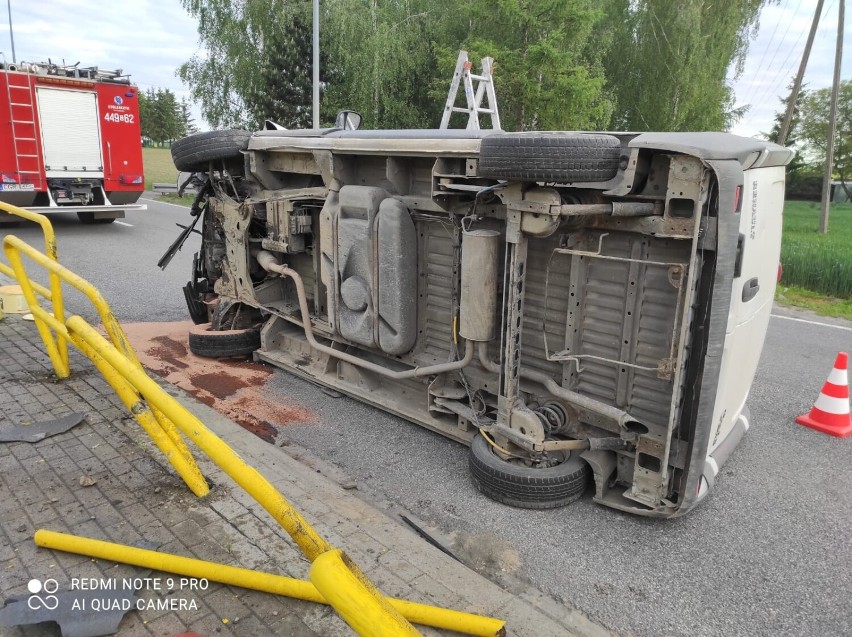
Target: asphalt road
<point>120,259</point>
<point>768,553</point>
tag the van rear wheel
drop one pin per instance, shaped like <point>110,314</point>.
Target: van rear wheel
<point>514,483</point>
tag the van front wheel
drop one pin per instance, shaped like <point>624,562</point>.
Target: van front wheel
<point>515,483</point>
<point>223,343</point>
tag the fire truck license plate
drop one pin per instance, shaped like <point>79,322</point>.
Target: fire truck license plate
<point>17,186</point>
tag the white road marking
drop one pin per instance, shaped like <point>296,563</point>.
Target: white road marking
<point>798,320</point>
<point>123,223</point>
<point>166,203</point>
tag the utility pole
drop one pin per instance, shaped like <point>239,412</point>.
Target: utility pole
<point>316,91</point>
<point>797,85</point>
<point>11,34</point>
<point>832,123</point>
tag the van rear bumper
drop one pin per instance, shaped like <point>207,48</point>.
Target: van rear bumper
<point>720,456</point>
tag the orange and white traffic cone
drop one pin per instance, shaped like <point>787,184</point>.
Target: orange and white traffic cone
<point>830,414</point>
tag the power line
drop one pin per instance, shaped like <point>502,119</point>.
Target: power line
<point>788,69</point>
<point>762,93</point>
<point>772,37</point>
<point>755,89</point>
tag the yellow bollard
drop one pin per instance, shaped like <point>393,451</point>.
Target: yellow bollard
<point>424,614</point>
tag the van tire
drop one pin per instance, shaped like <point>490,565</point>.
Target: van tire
<point>222,344</point>
<point>194,153</point>
<point>550,157</point>
<point>526,487</point>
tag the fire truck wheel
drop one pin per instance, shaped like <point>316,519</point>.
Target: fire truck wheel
<point>224,343</point>
<point>194,153</point>
<point>554,157</point>
<point>512,482</point>
<point>88,218</point>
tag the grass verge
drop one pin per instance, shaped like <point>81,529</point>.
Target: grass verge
<point>173,198</point>
<point>817,267</point>
<point>814,301</point>
<point>158,167</point>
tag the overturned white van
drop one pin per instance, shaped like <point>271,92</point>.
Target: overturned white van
<point>567,304</point>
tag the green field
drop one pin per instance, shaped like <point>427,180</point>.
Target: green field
<point>817,267</point>
<point>158,166</point>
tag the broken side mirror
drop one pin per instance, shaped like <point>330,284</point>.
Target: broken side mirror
<point>348,120</point>
<point>270,125</point>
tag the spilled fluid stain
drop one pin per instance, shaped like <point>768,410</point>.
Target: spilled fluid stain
<point>220,385</point>
<point>234,388</point>
<point>169,350</point>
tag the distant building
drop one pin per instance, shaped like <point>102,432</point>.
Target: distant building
<point>838,194</point>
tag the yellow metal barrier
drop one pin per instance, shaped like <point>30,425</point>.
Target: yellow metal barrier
<point>423,614</point>
<point>340,581</point>
<point>366,597</point>
<point>161,430</point>
<point>58,349</point>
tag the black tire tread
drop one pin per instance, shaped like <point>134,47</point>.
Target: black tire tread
<point>525,487</point>
<point>193,153</point>
<point>211,344</point>
<point>551,157</point>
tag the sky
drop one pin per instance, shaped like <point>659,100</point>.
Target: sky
<point>150,40</point>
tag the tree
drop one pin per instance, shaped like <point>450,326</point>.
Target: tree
<point>257,62</point>
<point>772,135</point>
<point>668,68</point>
<point>187,121</point>
<point>812,129</point>
<point>802,181</point>
<point>162,118</point>
<point>547,55</point>
<point>393,60</point>
<point>383,61</point>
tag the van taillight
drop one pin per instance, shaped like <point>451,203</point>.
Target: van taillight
<point>738,199</point>
<point>780,272</point>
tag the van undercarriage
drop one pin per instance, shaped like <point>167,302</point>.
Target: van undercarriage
<point>558,301</point>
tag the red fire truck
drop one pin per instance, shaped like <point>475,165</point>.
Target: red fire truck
<point>70,141</point>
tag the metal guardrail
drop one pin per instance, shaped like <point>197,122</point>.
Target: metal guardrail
<point>334,575</point>
<point>182,177</point>
<point>164,188</point>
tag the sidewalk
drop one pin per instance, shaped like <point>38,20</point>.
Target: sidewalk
<point>137,499</point>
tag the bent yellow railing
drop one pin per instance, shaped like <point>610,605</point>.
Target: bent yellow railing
<point>58,348</point>
<point>423,614</point>
<point>339,581</point>
<point>161,429</point>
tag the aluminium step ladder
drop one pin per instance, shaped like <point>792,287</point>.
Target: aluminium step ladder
<point>484,87</point>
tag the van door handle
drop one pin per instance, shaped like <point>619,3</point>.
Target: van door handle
<point>750,289</point>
